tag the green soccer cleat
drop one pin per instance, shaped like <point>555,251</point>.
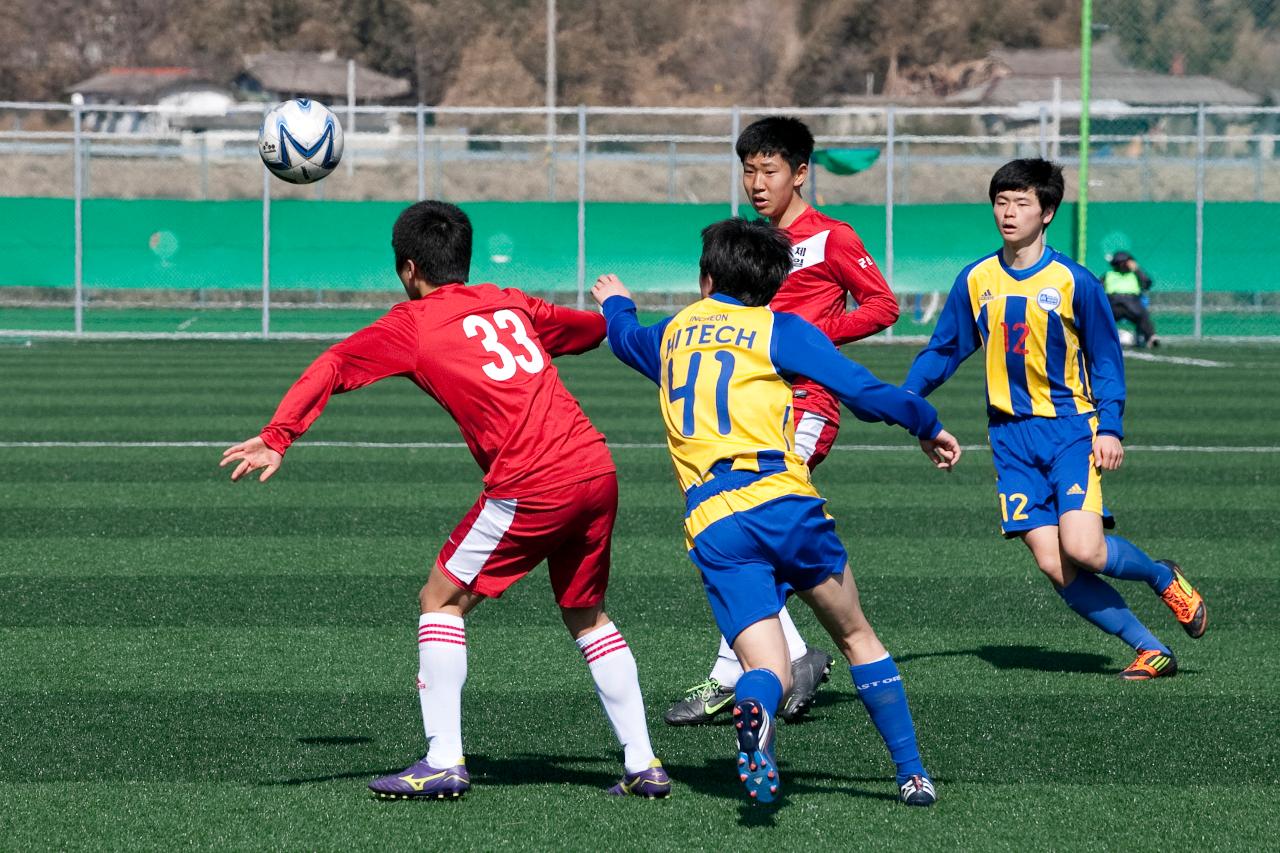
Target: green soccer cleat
<point>700,705</point>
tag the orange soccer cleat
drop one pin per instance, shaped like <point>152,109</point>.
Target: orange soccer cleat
<point>1151,663</point>
<point>1187,604</point>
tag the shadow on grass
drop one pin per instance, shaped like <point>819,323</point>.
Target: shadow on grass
<point>714,778</point>
<point>1027,657</point>
<point>520,769</point>
<point>718,778</point>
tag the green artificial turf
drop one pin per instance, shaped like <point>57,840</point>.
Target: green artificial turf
<point>193,663</point>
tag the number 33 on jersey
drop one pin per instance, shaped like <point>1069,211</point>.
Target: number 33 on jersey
<point>528,358</point>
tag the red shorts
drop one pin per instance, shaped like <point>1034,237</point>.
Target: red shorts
<point>502,539</point>
<point>815,436</point>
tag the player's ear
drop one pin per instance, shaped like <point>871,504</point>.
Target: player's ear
<point>798,177</point>
<point>706,286</point>
<point>1047,216</point>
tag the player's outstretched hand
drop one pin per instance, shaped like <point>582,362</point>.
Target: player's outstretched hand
<point>608,285</point>
<point>252,455</point>
<point>943,450</point>
<point>1108,452</point>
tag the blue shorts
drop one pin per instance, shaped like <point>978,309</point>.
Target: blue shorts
<point>1044,468</point>
<point>752,559</point>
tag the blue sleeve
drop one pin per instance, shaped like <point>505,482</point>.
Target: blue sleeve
<point>800,349</point>
<point>635,345</point>
<point>1101,345</point>
<point>955,338</point>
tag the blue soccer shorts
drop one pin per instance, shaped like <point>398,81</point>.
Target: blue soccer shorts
<point>1044,468</point>
<point>752,559</point>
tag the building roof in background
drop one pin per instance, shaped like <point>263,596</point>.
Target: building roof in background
<point>1026,76</point>
<point>143,85</point>
<point>321,75</point>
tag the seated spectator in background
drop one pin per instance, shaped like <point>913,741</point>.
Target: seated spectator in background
<point>1125,284</point>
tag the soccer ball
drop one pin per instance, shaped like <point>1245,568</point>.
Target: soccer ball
<point>300,141</point>
<point>1127,338</point>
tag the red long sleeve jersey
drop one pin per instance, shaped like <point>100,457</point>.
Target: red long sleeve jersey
<point>828,260</point>
<point>484,353</point>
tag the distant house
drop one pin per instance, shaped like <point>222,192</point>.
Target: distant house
<point>1026,79</point>
<point>324,76</point>
<point>185,93</point>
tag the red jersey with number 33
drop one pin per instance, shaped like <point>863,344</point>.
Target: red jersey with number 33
<point>484,353</point>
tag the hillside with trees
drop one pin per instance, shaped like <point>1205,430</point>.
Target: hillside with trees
<point>628,52</point>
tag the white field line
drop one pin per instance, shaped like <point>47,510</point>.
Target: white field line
<point>457,445</point>
<point>1175,359</point>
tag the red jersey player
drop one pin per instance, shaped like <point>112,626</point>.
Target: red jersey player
<point>550,491</point>
<point>828,261</point>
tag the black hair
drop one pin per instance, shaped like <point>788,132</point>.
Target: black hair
<point>1033,173</point>
<point>745,260</point>
<point>787,137</point>
<point>1120,260</point>
<point>436,236</point>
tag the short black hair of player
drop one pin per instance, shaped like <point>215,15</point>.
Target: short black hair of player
<point>1031,173</point>
<point>745,260</point>
<point>787,137</point>
<point>436,236</point>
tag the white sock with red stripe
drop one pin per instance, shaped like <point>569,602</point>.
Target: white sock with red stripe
<point>442,670</point>
<point>618,684</point>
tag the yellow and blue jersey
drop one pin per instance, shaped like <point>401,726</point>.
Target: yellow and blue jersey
<point>724,372</point>
<point>1050,341</point>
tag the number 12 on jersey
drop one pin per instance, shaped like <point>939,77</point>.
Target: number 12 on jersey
<point>686,393</point>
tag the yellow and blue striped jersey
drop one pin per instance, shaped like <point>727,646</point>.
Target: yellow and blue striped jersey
<point>1050,341</point>
<point>724,373</point>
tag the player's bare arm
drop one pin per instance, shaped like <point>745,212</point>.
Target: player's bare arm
<point>252,455</point>
<point>1108,452</point>
<point>943,450</point>
<point>608,285</point>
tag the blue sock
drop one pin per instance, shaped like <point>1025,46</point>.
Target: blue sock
<point>1129,562</point>
<point>761,685</point>
<point>880,689</point>
<point>1095,600</point>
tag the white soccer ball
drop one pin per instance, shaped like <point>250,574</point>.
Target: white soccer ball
<point>300,141</point>
<point>1127,338</point>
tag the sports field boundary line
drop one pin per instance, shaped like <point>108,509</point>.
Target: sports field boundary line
<point>458,445</point>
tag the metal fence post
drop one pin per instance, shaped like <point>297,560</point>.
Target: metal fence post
<point>888,194</point>
<point>266,253</point>
<point>422,152</point>
<point>437,174</point>
<point>1044,132</point>
<point>582,205</point>
<point>78,180</point>
<point>671,173</point>
<point>735,182</point>
<point>1197,327</point>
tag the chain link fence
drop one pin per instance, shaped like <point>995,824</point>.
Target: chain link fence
<point>138,220</point>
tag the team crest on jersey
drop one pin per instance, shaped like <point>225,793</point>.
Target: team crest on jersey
<point>810,251</point>
<point>1049,298</point>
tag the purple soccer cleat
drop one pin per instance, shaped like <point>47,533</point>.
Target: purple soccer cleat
<point>652,783</point>
<point>421,781</point>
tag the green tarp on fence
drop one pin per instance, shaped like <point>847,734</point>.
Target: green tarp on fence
<point>345,245</point>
